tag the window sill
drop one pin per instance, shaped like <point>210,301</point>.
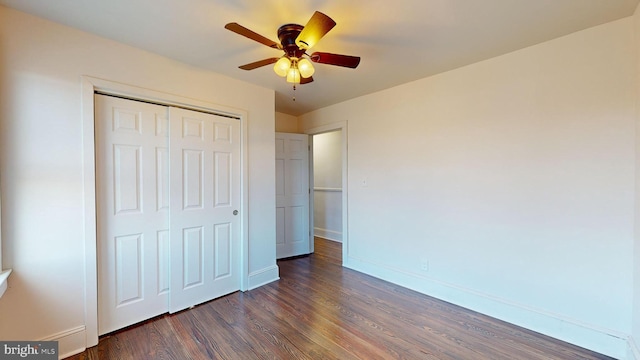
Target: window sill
<point>4,275</point>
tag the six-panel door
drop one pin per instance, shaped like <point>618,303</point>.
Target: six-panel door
<point>292,195</point>
<point>132,211</point>
<point>205,192</point>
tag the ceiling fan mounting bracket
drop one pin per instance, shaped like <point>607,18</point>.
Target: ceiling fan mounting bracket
<point>287,35</point>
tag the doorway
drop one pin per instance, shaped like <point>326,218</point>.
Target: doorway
<point>327,185</point>
<point>341,129</point>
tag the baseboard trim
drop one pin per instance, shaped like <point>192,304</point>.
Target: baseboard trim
<point>634,350</point>
<point>328,234</point>
<point>4,275</point>
<point>588,336</point>
<point>328,239</point>
<point>263,277</point>
<point>70,342</point>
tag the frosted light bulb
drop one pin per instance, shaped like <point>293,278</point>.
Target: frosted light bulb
<point>306,68</point>
<point>282,66</point>
<point>293,76</point>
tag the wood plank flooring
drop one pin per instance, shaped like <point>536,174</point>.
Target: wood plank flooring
<point>319,310</point>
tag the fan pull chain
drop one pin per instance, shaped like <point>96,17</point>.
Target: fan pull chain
<point>294,92</point>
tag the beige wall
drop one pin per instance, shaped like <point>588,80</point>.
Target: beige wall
<point>512,178</point>
<point>286,123</point>
<point>635,340</point>
<point>42,170</point>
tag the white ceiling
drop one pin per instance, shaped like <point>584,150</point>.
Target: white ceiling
<point>399,40</point>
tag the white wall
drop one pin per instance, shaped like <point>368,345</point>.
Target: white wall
<point>635,339</point>
<point>41,162</point>
<point>512,179</point>
<point>327,179</point>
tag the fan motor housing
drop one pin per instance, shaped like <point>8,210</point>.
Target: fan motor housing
<point>287,34</point>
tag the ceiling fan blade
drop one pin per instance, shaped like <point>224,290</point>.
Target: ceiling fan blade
<point>336,59</point>
<point>241,30</point>
<point>316,28</point>
<point>257,64</point>
<point>306,80</point>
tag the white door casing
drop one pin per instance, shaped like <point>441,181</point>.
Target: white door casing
<point>132,211</point>
<point>292,195</point>
<point>205,200</point>
<point>342,126</point>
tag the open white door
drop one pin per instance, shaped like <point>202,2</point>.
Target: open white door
<point>205,205</point>
<point>292,195</point>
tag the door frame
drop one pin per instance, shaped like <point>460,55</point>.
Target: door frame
<point>89,86</point>
<point>341,125</point>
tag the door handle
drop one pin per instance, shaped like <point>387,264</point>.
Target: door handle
<point>235,212</point>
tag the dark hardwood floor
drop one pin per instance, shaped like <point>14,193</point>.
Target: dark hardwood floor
<point>319,310</point>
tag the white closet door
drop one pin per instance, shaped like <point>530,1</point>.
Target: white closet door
<point>132,211</point>
<point>292,195</point>
<point>205,200</point>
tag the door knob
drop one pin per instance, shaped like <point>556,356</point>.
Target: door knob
<point>235,212</point>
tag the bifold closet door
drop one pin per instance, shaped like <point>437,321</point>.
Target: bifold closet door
<point>132,189</point>
<point>205,201</point>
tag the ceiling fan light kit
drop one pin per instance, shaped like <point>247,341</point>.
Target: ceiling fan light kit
<point>294,69</point>
<point>296,65</point>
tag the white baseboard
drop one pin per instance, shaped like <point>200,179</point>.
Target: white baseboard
<point>263,277</point>
<point>634,350</point>
<point>4,275</point>
<point>588,336</point>
<point>70,342</point>
<point>328,234</point>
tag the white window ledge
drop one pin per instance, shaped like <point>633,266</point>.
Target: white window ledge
<point>4,275</point>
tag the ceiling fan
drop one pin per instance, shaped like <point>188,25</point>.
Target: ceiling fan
<point>295,40</point>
